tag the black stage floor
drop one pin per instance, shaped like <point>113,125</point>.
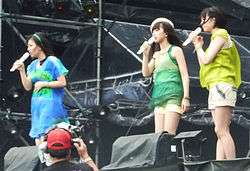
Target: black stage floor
<point>239,164</point>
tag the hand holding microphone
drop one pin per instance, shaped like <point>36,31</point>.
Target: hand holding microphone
<point>191,36</point>
<point>143,47</point>
<point>18,63</point>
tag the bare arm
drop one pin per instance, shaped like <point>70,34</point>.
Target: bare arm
<point>83,154</point>
<point>147,66</point>
<point>26,81</point>
<point>60,82</point>
<point>179,55</point>
<point>214,47</point>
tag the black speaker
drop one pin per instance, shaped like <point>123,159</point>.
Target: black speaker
<point>238,164</point>
<point>146,150</point>
<point>22,158</point>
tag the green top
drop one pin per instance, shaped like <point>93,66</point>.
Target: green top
<point>225,67</point>
<point>167,80</point>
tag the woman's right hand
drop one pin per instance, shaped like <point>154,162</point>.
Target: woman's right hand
<point>185,104</point>
<point>20,65</point>
<point>198,42</point>
<point>81,148</point>
<point>146,48</point>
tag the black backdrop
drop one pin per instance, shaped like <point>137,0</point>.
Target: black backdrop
<point>116,61</point>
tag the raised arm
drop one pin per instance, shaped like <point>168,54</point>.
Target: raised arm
<point>26,81</point>
<point>214,47</point>
<point>83,154</point>
<point>147,66</point>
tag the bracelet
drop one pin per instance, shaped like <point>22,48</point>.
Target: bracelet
<point>187,98</point>
<point>86,160</point>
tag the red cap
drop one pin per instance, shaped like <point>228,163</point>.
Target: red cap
<point>59,139</point>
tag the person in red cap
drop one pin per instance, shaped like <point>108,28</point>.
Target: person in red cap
<point>59,144</point>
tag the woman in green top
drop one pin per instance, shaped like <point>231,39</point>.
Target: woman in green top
<point>220,74</point>
<point>166,61</point>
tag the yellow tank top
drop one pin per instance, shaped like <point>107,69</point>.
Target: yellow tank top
<point>225,67</point>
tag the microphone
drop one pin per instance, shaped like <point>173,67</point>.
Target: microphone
<point>22,59</point>
<point>150,42</point>
<point>191,36</point>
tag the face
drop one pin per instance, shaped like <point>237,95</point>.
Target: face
<point>207,23</point>
<point>159,34</point>
<point>33,49</point>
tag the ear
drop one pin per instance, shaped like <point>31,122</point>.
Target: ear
<point>39,48</point>
<point>213,19</point>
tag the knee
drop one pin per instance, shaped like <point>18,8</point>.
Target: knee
<point>221,132</point>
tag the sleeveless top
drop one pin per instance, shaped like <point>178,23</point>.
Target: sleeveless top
<point>167,80</point>
<point>225,67</point>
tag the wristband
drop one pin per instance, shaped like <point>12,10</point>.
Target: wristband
<point>86,160</point>
<point>187,98</point>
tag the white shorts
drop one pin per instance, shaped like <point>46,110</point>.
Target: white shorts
<point>222,94</point>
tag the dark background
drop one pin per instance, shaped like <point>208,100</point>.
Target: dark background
<point>76,46</point>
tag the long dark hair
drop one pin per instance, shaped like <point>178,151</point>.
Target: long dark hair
<point>217,13</point>
<point>42,41</point>
<point>172,37</point>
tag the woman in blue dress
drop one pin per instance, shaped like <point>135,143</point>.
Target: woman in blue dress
<point>46,76</point>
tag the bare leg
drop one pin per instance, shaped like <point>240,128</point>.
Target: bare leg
<point>159,124</point>
<point>225,145</point>
<point>220,154</point>
<point>171,121</point>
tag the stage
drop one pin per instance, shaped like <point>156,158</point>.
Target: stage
<point>239,164</point>
<point>15,159</point>
<point>106,94</point>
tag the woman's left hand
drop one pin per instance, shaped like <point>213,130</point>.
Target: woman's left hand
<point>185,104</point>
<point>39,85</point>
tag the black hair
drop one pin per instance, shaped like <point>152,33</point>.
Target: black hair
<point>171,37</point>
<point>217,13</point>
<point>59,154</point>
<point>42,41</point>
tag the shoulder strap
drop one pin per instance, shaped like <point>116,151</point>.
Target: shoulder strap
<point>170,55</point>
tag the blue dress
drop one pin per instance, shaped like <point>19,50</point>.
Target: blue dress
<point>47,106</point>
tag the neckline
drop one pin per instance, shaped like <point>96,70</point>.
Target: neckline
<point>42,61</point>
<point>165,49</point>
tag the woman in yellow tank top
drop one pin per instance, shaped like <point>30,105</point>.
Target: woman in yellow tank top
<point>220,73</point>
